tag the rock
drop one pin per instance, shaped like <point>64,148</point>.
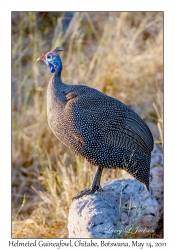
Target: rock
<point>157,156</point>
<point>120,208</point>
<point>156,185</point>
<point>156,175</point>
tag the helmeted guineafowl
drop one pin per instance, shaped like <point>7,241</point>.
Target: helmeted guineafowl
<point>100,128</point>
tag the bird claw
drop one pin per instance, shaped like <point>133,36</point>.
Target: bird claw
<point>82,193</point>
<point>87,191</point>
<point>100,189</point>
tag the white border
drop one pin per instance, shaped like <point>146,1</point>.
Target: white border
<point>5,96</point>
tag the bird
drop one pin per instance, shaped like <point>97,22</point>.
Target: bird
<point>100,128</point>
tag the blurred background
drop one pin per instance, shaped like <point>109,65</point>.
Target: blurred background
<point>120,54</point>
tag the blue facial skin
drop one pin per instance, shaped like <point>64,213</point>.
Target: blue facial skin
<point>52,68</point>
<point>56,66</point>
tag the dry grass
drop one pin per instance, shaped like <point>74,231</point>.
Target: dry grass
<point>120,54</point>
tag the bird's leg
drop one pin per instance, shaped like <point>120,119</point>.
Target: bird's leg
<point>95,184</point>
<point>96,181</point>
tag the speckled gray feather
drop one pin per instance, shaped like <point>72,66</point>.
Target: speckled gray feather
<point>100,128</point>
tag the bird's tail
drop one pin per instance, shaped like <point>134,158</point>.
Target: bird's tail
<point>139,167</point>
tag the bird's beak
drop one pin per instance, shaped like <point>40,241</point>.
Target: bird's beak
<point>43,58</point>
<point>39,58</point>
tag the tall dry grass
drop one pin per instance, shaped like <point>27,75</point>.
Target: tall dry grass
<point>119,53</point>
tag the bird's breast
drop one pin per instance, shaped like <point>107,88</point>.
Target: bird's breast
<point>61,121</point>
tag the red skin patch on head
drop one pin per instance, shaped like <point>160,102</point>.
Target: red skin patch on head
<point>54,54</point>
<point>43,57</point>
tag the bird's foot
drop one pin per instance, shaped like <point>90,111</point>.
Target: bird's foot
<point>82,193</point>
<point>87,191</point>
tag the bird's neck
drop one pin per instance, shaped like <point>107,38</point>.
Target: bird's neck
<point>56,79</point>
<point>57,75</point>
<point>56,94</point>
<point>57,86</point>
<point>58,67</point>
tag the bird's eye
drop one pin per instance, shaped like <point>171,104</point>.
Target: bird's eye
<point>49,57</point>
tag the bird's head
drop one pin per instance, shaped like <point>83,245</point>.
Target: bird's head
<point>53,60</point>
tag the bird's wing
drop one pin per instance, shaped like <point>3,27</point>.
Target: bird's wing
<point>125,129</point>
<point>112,122</point>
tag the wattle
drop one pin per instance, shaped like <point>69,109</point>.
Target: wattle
<point>52,68</point>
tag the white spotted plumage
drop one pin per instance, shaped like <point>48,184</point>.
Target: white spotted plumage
<point>100,128</point>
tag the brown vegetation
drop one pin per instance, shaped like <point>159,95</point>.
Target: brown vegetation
<point>119,53</point>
